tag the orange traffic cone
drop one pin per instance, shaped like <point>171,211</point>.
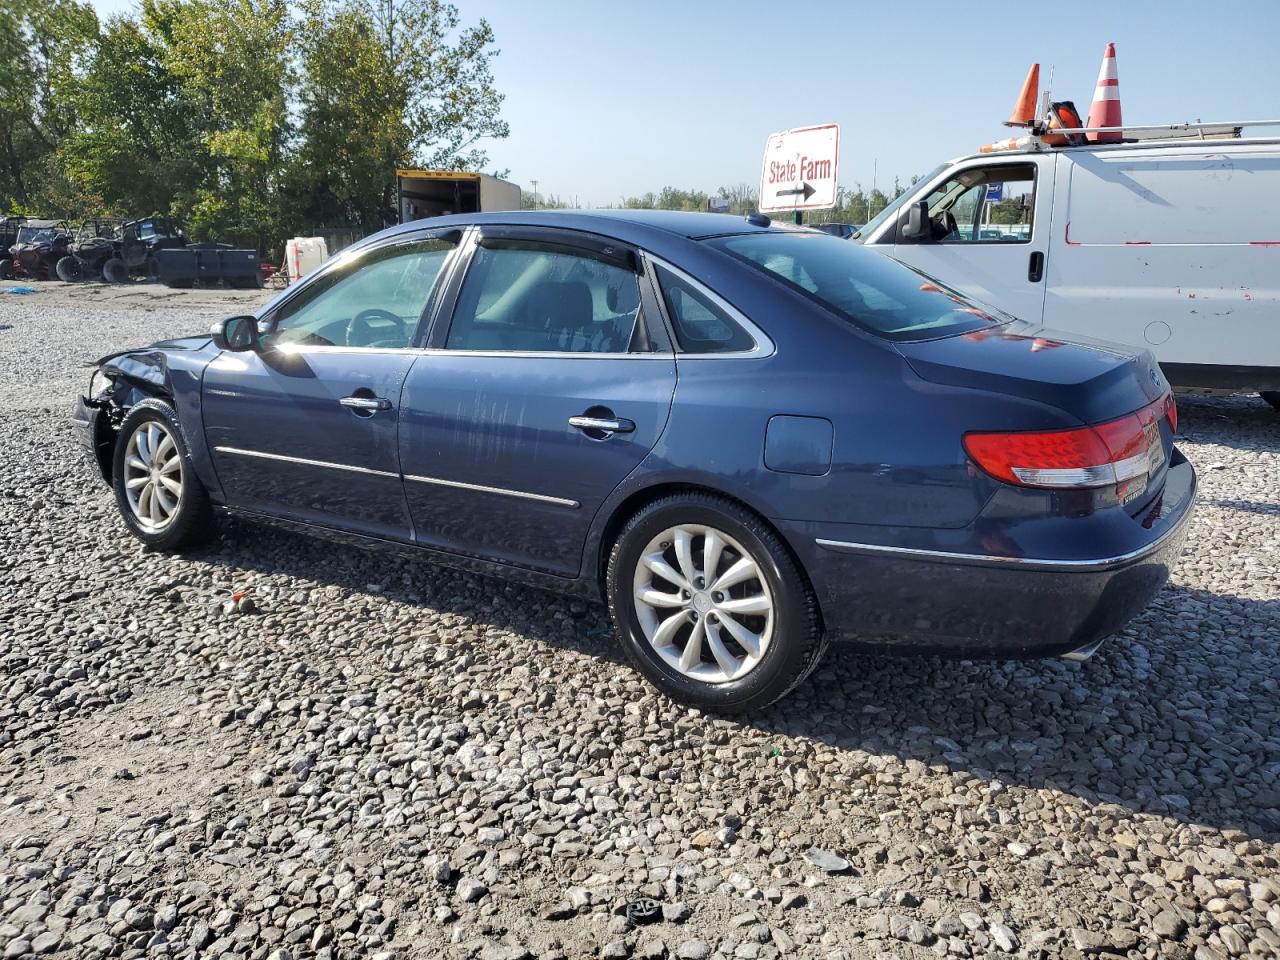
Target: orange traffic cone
<point>1105,111</point>
<point>1024,108</point>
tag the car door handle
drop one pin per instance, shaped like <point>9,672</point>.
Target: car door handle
<point>1035,269</point>
<point>366,404</point>
<point>603,424</point>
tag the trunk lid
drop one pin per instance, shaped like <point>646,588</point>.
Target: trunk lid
<point>1093,381</point>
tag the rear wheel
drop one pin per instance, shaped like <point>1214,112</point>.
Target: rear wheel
<point>115,271</point>
<point>161,499</point>
<point>1272,397</point>
<point>70,270</point>
<point>710,605</point>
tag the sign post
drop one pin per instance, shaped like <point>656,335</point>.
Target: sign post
<point>800,170</point>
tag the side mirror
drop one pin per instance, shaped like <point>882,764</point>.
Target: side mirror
<point>236,334</point>
<point>917,226</point>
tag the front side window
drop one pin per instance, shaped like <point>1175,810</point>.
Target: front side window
<point>523,296</point>
<point>699,324</point>
<point>872,291</point>
<point>374,301</point>
<point>991,204</point>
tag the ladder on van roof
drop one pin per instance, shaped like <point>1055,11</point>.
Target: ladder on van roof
<point>1151,134</point>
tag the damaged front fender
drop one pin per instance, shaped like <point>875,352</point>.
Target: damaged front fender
<point>170,370</point>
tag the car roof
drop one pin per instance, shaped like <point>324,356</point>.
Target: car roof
<point>624,224</point>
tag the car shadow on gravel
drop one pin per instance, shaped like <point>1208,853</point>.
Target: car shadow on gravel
<point>1177,717</point>
<point>1244,423</point>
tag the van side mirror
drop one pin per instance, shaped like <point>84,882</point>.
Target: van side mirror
<point>237,334</point>
<point>917,227</point>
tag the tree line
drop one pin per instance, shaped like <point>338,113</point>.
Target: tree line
<point>853,205</point>
<point>248,120</point>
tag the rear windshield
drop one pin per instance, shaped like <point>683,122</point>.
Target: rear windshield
<point>866,288</point>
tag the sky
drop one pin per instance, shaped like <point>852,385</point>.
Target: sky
<point>609,99</point>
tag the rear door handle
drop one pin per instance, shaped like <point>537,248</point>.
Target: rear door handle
<point>366,404</point>
<point>1035,269</point>
<point>603,424</point>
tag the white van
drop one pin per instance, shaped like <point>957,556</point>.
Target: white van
<point>1169,244</point>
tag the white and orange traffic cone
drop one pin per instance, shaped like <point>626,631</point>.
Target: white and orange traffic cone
<point>1105,111</point>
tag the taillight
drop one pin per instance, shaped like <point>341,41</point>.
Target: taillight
<point>1120,453</point>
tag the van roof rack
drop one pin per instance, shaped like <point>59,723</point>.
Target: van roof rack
<point>1130,135</point>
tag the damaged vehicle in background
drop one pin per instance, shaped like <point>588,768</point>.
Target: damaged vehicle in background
<point>38,247</point>
<point>116,251</point>
<point>574,401</point>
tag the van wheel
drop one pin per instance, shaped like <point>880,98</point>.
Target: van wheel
<point>1272,397</point>
<point>710,606</point>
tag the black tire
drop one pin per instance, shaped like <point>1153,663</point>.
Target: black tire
<point>6,269</point>
<point>70,269</point>
<point>152,267</point>
<point>115,271</point>
<point>1272,397</point>
<point>797,641</point>
<point>191,522</point>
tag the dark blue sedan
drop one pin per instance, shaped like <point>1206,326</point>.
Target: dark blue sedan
<point>749,439</point>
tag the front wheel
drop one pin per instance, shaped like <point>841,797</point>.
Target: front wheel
<point>115,271</point>
<point>70,269</point>
<point>161,499</point>
<point>1272,397</point>
<point>710,605</point>
<point>6,269</point>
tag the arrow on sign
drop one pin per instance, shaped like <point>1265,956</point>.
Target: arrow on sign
<point>804,190</point>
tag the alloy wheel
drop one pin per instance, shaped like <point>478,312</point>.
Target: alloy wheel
<point>703,603</point>
<point>153,476</point>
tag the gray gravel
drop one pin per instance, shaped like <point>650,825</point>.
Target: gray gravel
<point>393,760</point>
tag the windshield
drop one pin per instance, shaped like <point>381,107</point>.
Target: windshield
<point>35,234</point>
<point>874,223</point>
<point>873,291</point>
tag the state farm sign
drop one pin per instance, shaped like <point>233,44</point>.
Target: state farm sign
<point>800,169</point>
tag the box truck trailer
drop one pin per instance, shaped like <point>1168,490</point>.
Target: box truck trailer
<point>437,193</point>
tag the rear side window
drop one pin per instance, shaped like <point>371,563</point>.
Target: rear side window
<point>868,289</point>
<point>530,297</point>
<point>699,325</point>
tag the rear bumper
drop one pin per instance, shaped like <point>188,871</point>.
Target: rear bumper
<point>921,600</point>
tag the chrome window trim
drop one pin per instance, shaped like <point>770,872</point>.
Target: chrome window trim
<point>551,354</point>
<point>501,491</point>
<point>764,344</point>
<point>303,461</point>
<point>986,560</point>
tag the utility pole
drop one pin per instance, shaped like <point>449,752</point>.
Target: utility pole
<point>875,167</point>
<point>535,194</point>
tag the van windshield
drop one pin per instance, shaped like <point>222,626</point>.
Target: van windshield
<point>874,223</point>
<point>870,290</point>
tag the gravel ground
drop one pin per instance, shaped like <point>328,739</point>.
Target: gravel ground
<point>387,759</point>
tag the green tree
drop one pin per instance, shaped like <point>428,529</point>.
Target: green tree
<point>231,59</point>
<point>43,44</point>
<point>139,144</point>
<point>388,84</point>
